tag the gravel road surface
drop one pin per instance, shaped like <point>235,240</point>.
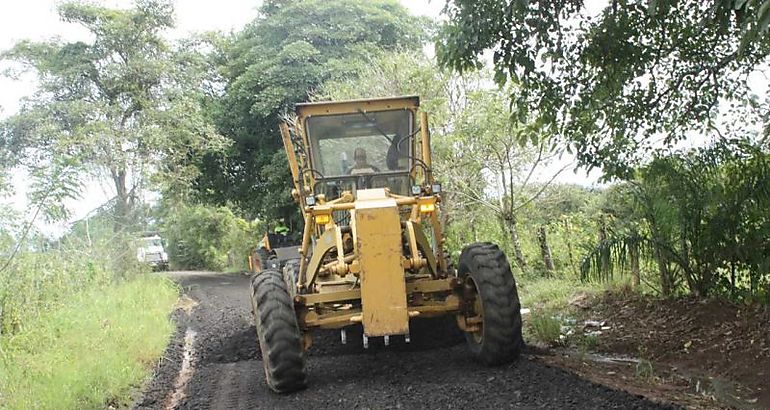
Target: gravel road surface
<point>213,362</point>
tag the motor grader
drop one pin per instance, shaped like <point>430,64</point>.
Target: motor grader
<point>372,251</point>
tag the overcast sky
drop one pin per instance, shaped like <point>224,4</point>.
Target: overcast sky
<point>37,20</point>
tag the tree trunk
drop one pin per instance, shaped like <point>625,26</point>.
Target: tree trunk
<point>694,280</point>
<point>88,233</point>
<point>510,225</point>
<point>665,274</point>
<point>568,240</point>
<point>633,253</point>
<point>124,201</point>
<point>604,268</point>
<point>545,250</point>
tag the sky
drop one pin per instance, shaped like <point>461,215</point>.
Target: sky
<point>37,20</point>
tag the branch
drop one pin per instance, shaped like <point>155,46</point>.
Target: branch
<point>543,188</point>
<point>29,225</point>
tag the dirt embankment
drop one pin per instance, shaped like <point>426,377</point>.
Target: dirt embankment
<point>435,371</point>
<point>702,353</point>
<point>710,337</point>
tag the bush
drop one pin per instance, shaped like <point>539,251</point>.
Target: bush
<point>205,237</point>
<point>80,323</point>
<point>36,281</point>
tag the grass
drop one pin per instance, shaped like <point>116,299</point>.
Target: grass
<point>550,303</point>
<point>552,294</point>
<point>545,328</point>
<point>90,350</point>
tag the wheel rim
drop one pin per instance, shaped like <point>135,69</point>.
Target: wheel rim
<point>474,314</point>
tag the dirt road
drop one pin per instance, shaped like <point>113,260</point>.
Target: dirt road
<point>213,362</point>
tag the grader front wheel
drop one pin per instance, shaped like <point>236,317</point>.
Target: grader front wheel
<point>492,312</point>
<point>280,339</point>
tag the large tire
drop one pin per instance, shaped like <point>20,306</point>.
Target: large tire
<point>487,277</point>
<point>280,340</point>
<point>262,256</point>
<point>290,275</point>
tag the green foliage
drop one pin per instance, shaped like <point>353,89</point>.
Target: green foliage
<point>610,83</point>
<point>550,294</point>
<point>546,329</point>
<point>701,216</point>
<point>42,275</point>
<point>90,348</point>
<point>204,237</point>
<point>387,74</point>
<point>276,61</point>
<point>123,106</point>
<point>80,322</point>
<point>718,199</point>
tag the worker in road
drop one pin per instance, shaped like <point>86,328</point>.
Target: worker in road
<point>360,165</point>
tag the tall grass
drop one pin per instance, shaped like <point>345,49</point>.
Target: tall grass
<point>44,275</point>
<point>81,323</point>
<point>90,349</point>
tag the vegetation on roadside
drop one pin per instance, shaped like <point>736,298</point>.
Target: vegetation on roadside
<point>679,134</point>
<point>89,349</point>
<point>207,237</point>
<point>81,321</point>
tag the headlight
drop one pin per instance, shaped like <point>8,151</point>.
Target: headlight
<point>323,219</point>
<point>436,188</point>
<point>310,200</point>
<point>416,190</point>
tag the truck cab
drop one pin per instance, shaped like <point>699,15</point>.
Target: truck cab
<point>151,251</point>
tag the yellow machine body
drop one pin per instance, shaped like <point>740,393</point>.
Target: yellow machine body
<point>372,246</point>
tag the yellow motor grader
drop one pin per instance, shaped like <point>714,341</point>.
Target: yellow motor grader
<point>372,251</point>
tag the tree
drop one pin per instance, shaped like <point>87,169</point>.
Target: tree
<point>275,62</point>
<point>617,84</point>
<point>507,156</point>
<point>700,215</point>
<point>124,105</point>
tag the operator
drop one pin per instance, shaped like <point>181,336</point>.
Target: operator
<point>361,166</point>
<point>281,228</point>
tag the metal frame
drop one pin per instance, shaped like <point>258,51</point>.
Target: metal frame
<point>328,288</point>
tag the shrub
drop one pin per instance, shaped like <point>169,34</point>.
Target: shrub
<point>205,237</point>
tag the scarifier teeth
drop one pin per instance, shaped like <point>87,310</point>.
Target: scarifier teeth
<point>387,340</point>
<point>343,336</point>
<point>366,342</point>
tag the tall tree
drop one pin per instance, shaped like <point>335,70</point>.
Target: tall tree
<point>622,80</point>
<point>288,51</point>
<point>124,105</point>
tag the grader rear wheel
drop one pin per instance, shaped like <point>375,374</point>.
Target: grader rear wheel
<point>261,257</point>
<point>491,310</point>
<point>280,339</point>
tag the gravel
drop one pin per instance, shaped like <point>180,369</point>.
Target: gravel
<point>434,371</point>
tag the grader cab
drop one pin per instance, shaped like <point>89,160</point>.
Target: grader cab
<point>372,251</point>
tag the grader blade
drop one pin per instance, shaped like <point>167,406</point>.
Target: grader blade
<point>377,231</point>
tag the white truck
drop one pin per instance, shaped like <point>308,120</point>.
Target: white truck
<point>151,252</point>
